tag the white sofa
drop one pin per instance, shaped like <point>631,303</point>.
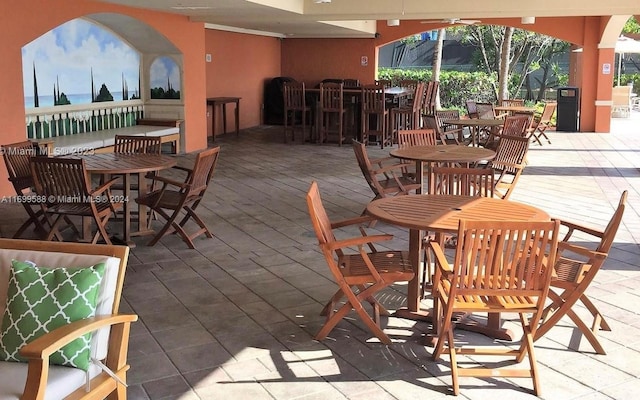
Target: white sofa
<point>62,381</point>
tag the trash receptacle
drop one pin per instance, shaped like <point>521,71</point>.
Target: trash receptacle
<point>568,111</point>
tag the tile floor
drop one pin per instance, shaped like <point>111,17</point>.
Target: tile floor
<point>234,319</point>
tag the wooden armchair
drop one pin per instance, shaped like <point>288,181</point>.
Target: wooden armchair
<point>452,133</point>
<point>384,178</point>
<point>540,125</point>
<point>444,137</point>
<point>37,379</point>
<point>175,196</point>
<point>574,270</point>
<point>499,266</point>
<point>66,184</point>
<point>359,276</point>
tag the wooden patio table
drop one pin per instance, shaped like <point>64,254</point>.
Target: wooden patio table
<point>126,165</point>
<point>441,214</point>
<point>440,154</point>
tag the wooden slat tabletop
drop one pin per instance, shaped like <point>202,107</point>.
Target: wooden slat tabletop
<point>442,213</point>
<point>112,163</point>
<point>444,153</point>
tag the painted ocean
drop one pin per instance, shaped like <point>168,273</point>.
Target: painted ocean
<point>47,101</point>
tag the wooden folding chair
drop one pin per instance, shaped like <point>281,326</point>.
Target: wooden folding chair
<point>499,266</point>
<point>514,125</point>
<point>16,158</point>
<point>543,123</point>
<point>508,164</point>
<point>384,178</point>
<point>176,196</point>
<point>574,270</point>
<point>359,276</point>
<point>456,181</point>
<point>66,184</point>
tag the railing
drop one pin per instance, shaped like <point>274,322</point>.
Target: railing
<point>49,122</point>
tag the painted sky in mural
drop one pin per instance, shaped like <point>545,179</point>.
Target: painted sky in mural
<point>68,53</point>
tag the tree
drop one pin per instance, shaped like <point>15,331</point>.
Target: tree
<point>437,62</point>
<point>104,94</point>
<point>512,55</point>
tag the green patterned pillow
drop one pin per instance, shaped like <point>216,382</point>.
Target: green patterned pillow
<point>41,299</point>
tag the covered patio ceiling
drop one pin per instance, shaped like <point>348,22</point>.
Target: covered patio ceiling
<point>357,18</point>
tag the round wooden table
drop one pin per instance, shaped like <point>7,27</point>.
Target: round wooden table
<point>441,214</point>
<point>126,165</point>
<point>475,125</point>
<point>440,154</point>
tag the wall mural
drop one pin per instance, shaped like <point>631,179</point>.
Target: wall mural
<point>165,79</point>
<point>79,62</point>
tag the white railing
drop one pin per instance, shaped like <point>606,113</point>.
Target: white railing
<point>48,122</point>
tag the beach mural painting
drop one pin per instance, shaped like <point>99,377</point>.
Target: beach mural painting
<point>165,79</point>
<point>79,62</point>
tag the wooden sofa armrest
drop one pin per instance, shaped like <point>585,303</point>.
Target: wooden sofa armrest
<point>38,351</point>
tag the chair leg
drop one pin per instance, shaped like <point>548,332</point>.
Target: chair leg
<point>454,362</point>
<point>168,225</point>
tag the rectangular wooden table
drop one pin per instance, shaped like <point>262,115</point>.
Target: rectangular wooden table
<point>222,102</point>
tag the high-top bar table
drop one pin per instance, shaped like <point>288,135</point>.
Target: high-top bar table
<point>441,214</point>
<point>440,154</point>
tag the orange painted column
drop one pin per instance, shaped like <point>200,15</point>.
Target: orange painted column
<point>604,86</point>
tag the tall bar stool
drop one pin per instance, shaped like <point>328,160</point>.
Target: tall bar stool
<point>295,104</point>
<point>407,117</point>
<point>331,107</point>
<point>375,115</point>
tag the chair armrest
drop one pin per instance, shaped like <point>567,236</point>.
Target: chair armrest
<point>441,260</point>
<point>42,347</point>
<point>168,181</point>
<point>356,241</point>
<point>581,250</point>
<point>575,227</point>
<point>389,168</point>
<point>104,186</point>
<point>182,168</point>
<point>380,160</point>
<point>38,351</point>
<point>352,221</point>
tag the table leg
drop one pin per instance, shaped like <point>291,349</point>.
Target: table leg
<point>142,210</point>
<point>126,223</point>
<point>224,117</point>
<point>420,176</point>
<point>238,119</point>
<point>213,121</point>
<point>413,311</point>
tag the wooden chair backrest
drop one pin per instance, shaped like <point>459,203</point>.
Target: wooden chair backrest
<point>621,95</point>
<point>445,115</point>
<point>430,97</point>
<point>516,125</point>
<point>611,229</point>
<point>372,98</point>
<point>485,111</point>
<point>384,82</point>
<point>507,258</point>
<point>365,166</point>
<point>16,158</point>
<point>547,112</point>
<point>418,97</point>
<point>294,95</point>
<point>331,97</point>
<point>59,177</point>
<point>512,103</point>
<point>472,109</point>
<point>432,122</point>
<point>459,181</point>
<point>511,153</point>
<point>417,137</point>
<point>351,83</point>
<point>319,217</point>
<point>137,144</point>
<point>202,171</point>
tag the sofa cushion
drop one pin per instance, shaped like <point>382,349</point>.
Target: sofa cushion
<point>41,299</point>
<point>100,342</point>
<point>62,381</point>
